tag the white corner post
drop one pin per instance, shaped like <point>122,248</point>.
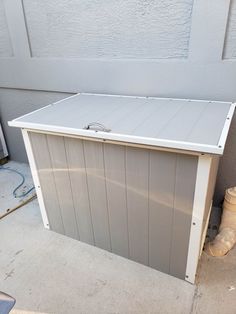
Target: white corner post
<point>199,203</point>
<point>34,172</point>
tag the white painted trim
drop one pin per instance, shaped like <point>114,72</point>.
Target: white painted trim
<point>203,174</point>
<point>17,28</point>
<point>148,97</point>
<point>226,127</point>
<point>3,142</point>
<point>211,149</point>
<point>35,178</point>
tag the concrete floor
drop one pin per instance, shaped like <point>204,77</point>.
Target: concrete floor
<point>50,273</point>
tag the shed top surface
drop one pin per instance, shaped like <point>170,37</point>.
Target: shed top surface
<point>193,125</point>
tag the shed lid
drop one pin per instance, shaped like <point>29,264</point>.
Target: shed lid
<point>193,125</point>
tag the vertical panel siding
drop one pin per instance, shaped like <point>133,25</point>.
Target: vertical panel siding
<point>114,156</point>
<point>47,182</point>
<point>132,201</point>
<point>161,203</point>
<point>137,169</point>
<point>77,173</point>
<point>186,169</point>
<point>63,185</point>
<point>94,161</point>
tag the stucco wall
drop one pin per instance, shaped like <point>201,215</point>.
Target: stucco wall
<point>105,29</point>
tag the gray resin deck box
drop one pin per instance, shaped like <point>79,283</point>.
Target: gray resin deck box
<point>131,175</point>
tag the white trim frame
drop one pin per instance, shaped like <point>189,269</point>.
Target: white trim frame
<point>195,240</point>
<point>35,177</point>
<point>3,142</point>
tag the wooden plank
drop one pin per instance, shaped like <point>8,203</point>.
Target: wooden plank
<point>114,157</point>
<point>186,170</point>
<point>56,147</point>
<point>94,162</point>
<point>137,169</point>
<point>47,183</point>
<point>78,179</point>
<point>161,208</point>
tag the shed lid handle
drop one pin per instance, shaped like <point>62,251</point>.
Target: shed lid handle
<point>96,126</point>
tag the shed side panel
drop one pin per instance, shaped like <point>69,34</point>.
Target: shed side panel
<point>114,158</point>
<point>77,172</point>
<point>47,181</point>
<point>137,170</point>
<point>56,145</point>
<point>161,208</point>
<point>94,163</point>
<point>185,180</point>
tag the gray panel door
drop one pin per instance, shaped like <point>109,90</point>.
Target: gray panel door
<point>132,201</point>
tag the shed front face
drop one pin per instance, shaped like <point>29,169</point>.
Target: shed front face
<point>131,175</point>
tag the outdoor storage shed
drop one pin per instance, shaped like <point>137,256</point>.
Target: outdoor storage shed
<point>132,175</point>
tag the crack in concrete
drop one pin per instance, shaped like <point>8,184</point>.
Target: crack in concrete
<point>9,274</point>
